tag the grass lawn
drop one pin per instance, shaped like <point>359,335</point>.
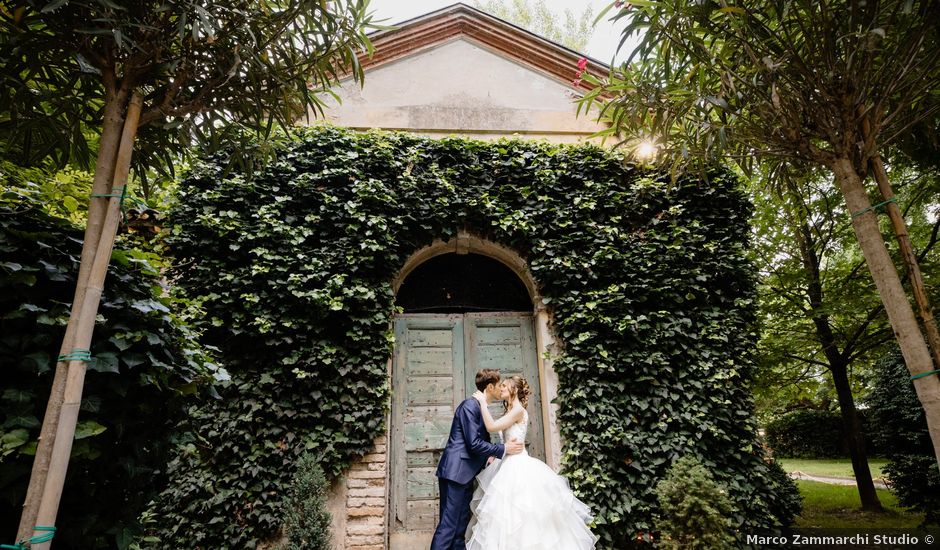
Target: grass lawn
<point>834,506</point>
<point>836,467</point>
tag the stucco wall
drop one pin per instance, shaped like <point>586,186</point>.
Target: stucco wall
<point>461,87</point>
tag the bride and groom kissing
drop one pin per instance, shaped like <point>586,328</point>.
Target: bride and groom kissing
<point>519,502</point>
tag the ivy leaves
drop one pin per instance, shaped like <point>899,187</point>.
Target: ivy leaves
<point>647,280</point>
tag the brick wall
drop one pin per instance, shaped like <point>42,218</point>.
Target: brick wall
<point>366,497</point>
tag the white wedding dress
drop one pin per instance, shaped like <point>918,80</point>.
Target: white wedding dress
<point>521,504</point>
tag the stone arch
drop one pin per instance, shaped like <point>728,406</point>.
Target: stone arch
<point>464,243</point>
<point>408,447</point>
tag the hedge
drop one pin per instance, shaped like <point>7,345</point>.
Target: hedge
<point>148,365</point>
<point>647,279</point>
<point>807,433</point>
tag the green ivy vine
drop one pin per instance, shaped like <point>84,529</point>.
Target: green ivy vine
<point>647,279</point>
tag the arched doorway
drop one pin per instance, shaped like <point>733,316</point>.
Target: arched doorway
<point>462,312</point>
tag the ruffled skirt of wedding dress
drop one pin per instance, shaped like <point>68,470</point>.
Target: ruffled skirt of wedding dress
<point>521,504</point>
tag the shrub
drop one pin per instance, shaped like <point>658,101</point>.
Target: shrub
<point>694,510</point>
<point>306,520</point>
<point>911,471</point>
<point>806,433</point>
<point>789,501</point>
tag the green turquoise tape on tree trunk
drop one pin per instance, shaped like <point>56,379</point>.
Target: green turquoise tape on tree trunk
<point>121,194</point>
<point>77,354</point>
<point>43,538</point>
<point>874,208</point>
<point>25,544</point>
<point>924,374</point>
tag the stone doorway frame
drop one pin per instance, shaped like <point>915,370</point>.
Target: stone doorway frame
<point>359,501</point>
<point>467,243</point>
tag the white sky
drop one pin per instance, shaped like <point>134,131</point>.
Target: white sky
<point>603,42</point>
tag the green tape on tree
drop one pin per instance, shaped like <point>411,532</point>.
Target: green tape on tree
<point>874,208</point>
<point>77,354</point>
<point>925,374</point>
<point>25,544</point>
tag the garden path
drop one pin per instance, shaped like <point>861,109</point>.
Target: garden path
<point>879,484</point>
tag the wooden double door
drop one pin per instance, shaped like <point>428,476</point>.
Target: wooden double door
<point>435,363</point>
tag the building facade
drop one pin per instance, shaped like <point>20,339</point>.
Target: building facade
<point>456,71</point>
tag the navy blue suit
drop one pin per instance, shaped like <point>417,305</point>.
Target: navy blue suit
<point>468,448</point>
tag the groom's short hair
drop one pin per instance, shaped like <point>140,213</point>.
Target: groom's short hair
<point>486,377</point>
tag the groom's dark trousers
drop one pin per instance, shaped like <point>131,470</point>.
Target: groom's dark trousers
<point>455,515</point>
<point>467,449</point>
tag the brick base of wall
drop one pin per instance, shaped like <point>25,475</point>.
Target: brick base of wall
<point>366,497</point>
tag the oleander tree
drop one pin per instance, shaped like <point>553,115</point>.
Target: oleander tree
<point>195,73</point>
<point>833,84</point>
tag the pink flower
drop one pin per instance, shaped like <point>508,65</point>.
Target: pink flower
<point>582,64</point>
<point>576,82</point>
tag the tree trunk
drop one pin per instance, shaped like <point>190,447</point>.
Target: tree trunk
<point>97,208</point>
<point>910,260</point>
<point>75,376</point>
<point>855,439</point>
<point>838,368</point>
<point>899,310</point>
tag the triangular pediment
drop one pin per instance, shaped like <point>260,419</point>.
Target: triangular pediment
<point>463,21</point>
<point>461,71</point>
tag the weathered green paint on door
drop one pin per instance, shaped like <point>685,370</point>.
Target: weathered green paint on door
<point>505,342</point>
<point>436,360</point>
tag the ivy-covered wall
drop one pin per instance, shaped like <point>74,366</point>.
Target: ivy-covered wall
<point>647,279</point>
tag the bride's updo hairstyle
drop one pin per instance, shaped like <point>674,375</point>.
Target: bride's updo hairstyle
<point>518,387</point>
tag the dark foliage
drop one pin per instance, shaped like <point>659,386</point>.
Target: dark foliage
<point>814,433</point>
<point>912,470</point>
<point>806,433</point>
<point>651,293</point>
<point>207,70</point>
<point>788,502</point>
<point>146,359</point>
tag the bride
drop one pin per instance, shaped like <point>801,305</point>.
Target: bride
<point>520,503</point>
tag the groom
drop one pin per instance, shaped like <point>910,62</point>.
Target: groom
<point>467,451</point>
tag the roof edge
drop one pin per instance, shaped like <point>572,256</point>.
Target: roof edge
<point>445,24</point>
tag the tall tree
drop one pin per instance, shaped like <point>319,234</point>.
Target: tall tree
<point>820,310</point>
<point>574,31</point>
<point>182,72</point>
<point>830,83</point>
